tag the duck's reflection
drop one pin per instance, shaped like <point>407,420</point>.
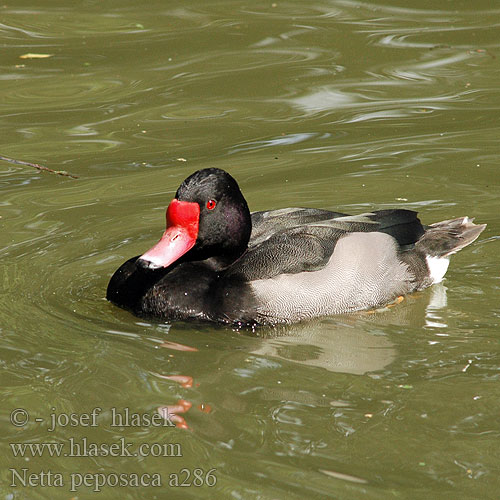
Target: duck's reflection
<point>353,344</point>
<point>356,343</point>
<point>438,300</point>
<point>333,346</point>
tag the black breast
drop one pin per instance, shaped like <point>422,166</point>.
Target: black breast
<point>187,291</point>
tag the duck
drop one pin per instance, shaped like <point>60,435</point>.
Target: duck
<point>218,262</point>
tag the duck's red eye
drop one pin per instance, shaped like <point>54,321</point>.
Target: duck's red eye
<point>211,204</point>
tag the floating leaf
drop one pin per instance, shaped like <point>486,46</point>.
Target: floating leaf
<point>31,55</point>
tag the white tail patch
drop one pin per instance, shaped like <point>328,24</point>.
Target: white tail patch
<point>437,267</point>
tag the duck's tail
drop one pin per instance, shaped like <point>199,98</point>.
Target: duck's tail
<point>443,239</point>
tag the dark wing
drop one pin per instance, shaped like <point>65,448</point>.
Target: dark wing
<point>266,224</point>
<point>403,225</point>
<point>295,247</point>
<point>290,251</point>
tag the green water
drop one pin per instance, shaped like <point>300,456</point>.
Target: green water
<point>335,104</point>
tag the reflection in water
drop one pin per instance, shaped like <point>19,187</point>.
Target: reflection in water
<point>335,347</point>
<point>331,98</point>
<point>284,140</point>
<point>324,99</point>
<point>437,302</point>
<point>353,345</point>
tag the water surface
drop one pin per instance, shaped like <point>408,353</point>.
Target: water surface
<point>343,105</point>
